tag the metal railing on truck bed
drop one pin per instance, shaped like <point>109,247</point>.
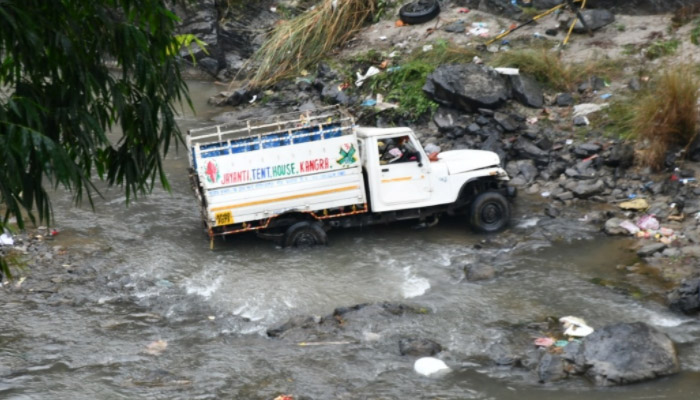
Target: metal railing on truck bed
<point>267,132</point>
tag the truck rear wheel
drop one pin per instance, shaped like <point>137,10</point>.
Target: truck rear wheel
<point>305,234</point>
<point>489,212</point>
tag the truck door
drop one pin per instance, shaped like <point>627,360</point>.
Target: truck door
<point>403,171</point>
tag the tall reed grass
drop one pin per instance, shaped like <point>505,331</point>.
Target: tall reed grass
<point>304,40</point>
<point>667,116</point>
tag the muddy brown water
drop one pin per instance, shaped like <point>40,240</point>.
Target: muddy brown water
<point>157,279</point>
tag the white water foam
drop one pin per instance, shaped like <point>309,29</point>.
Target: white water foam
<point>413,285</point>
<point>206,290</point>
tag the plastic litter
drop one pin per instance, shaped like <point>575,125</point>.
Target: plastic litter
<point>463,11</point>
<point>648,222</point>
<point>630,226</point>
<point>6,240</point>
<point>371,71</point>
<point>575,326</point>
<point>544,342</point>
<point>587,108</point>
<point>507,71</point>
<point>636,205</point>
<point>479,29</point>
<point>369,103</point>
<point>428,366</point>
<point>561,343</point>
<point>427,47</point>
<point>606,96</point>
<point>284,397</point>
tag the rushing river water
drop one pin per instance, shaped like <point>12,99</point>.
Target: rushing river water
<point>157,279</point>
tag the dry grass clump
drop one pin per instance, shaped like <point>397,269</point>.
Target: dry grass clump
<point>303,41</point>
<point>667,116</point>
<point>549,68</point>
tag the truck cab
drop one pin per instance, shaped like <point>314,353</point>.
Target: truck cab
<point>414,181</point>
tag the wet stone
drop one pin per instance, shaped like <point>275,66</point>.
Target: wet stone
<point>419,347</point>
<point>651,249</point>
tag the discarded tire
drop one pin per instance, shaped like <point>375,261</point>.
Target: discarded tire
<point>489,212</point>
<point>305,234</point>
<point>419,11</point>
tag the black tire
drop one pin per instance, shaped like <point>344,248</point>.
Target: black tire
<point>419,11</point>
<point>305,234</point>
<point>489,212</point>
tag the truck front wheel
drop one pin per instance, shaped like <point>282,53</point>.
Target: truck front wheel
<point>305,234</point>
<point>489,212</point>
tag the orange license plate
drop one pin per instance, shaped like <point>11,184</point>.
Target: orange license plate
<point>223,218</point>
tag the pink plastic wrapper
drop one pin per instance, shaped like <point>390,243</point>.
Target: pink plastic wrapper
<point>630,226</point>
<point>648,222</point>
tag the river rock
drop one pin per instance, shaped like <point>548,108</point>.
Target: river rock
<point>505,122</point>
<point>564,100</point>
<point>479,272</point>
<point>527,91</point>
<point>466,87</point>
<point>651,249</point>
<point>620,155</point>
<point>626,353</point>
<point>612,227</point>
<point>528,150</point>
<point>585,189</point>
<point>419,347</point>
<point>686,297</point>
<point>550,368</point>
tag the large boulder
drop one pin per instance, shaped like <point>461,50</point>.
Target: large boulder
<point>231,33</point>
<point>686,298</point>
<point>626,353</point>
<point>527,91</point>
<point>467,87</point>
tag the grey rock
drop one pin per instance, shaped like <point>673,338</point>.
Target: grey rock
<point>585,189</point>
<point>479,272</point>
<point>564,196</point>
<point>473,129</point>
<point>686,297</point>
<point>528,150</point>
<point>418,347</point>
<point>505,122</point>
<point>528,170</point>
<point>612,227</point>
<point>445,119</point>
<point>587,149</point>
<point>527,91</point>
<point>564,100</point>
<point>581,120</point>
<point>466,86</point>
<point>651,249</point>
<point>626,353</point>
<point>550,368</point>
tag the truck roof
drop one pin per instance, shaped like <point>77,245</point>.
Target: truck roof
<point>365,132</point>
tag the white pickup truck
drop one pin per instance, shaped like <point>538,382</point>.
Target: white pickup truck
<point>295,176</point>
